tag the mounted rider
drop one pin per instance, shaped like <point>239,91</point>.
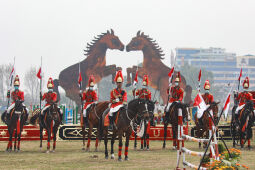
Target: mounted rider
<point>207,96</point>
<point>17,95</point>
<point>144,92</point>
<point>244,96</point>
<point>118,97</point>
<point>50,97</point>
<point>90,97</point>
<point>176,94</point>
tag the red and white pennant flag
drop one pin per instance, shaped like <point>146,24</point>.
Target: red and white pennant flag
<point>201,106</point>
<point>11,76</point>
<point>136,79</point>
<point>170,75</point>
<point>227,104</point>
<point>39,73</point>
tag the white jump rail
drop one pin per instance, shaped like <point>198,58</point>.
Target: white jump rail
<point>182,137</point>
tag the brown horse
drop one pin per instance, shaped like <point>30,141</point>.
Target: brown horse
<point>202,130</point>
<point>94,117</point>
<point>95,64</point>
<point>15,121</point>
<point>123,125</point>
<point>173,117</point>
<point>153,66</point>
<point>50,121</point>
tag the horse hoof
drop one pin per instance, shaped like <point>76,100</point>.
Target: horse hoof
<point>126,158</point>
<point>96,150</point>
<point>53,151</point>
<point>106,157</point>
<point>119,159</point>
<point>87,150</point>
<point>48,151</point>
<point>112,156</point>
<point>174,148</point>
<point>135,148</point>
<point>148,149</point>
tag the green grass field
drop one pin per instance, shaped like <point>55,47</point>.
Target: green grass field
<point>69,155</point>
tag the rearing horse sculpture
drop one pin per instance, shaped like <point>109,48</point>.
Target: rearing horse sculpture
<point>153,66</point>
<point>95,64</point>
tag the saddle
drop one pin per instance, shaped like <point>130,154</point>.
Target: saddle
<point>115,116</point>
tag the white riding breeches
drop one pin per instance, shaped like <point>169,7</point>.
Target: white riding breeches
<point>168,107</point>
<point>115,109</point>
<point>85,110</point>
<point>13,105</point>
<point>46,107</point>
<point>239,108</point>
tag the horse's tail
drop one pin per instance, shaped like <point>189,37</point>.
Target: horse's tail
<point>35,117</point>
<point>4,117</point>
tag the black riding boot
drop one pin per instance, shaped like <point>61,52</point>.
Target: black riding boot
<point>26,117</point>
<point>200,122</point>
<point>111,123</point>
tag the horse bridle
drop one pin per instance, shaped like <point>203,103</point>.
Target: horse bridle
<point>96,112</point>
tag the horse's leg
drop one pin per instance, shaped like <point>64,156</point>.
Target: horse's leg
<point>89,136</point>
<point>15,140</point>
<point>120,147</point>
<point>148,141</point>
<point>174,130</point>
<point>165,133</point>
<point>41,136</point>
<point>105,144</point>
<point>112,144</point>
<point>135,142</point>
<point>142,142</point>
<point>96,144</point>
<point>9,145</point>
<point>54,137</point>
<point>127,144</point>
<point>48,140</point>
<point>83,136</point>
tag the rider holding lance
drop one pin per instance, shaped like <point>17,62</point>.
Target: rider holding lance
<point>50,97</point>
<point>144,92</point>
<point>208,98</point>
<point>176,93</point>
<point>90,97</point>
<point>118,97</point>
<point>16,95</point>
<point>244,96</point>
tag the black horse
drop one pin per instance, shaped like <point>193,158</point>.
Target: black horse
<point>50,121</point>
<point>173,120</point>
<point>123,125</point>
<point>15,120</point>
<point>146,136</point>
<point>241,124</point>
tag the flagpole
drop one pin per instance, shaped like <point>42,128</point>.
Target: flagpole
<point>80,84</point>
<point>41,87</point>
<point>10,84</point>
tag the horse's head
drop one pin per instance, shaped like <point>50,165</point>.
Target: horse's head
<point>19,106</point>
<point>215,108</point>
<point>142,42</point>
<point>112,41</point>
<point>53,109</point>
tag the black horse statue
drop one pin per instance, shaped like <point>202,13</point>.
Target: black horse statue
<point>50,121</point>
<point>126,116</point>
<point>15,120</point>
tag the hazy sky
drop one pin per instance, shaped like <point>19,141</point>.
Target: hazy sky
<point>59,30</point>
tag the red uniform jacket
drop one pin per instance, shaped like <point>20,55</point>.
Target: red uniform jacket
<point>122,95</point>
<point>49,97</point>
<point>208,98</point>
<point>89,96</point>
<point>17,95</point>
<point>243,97</point>
<point>143,93</point>
<point>176,94</point>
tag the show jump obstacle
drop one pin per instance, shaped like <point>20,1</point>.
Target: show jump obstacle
<point>182,137</point>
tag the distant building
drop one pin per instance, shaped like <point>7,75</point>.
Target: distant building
<point>225,66</point>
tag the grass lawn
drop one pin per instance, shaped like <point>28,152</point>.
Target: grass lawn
<point>69,155</point>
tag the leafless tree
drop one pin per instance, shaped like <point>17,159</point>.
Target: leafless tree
<point>32,85</point>
<point>5,70</point>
